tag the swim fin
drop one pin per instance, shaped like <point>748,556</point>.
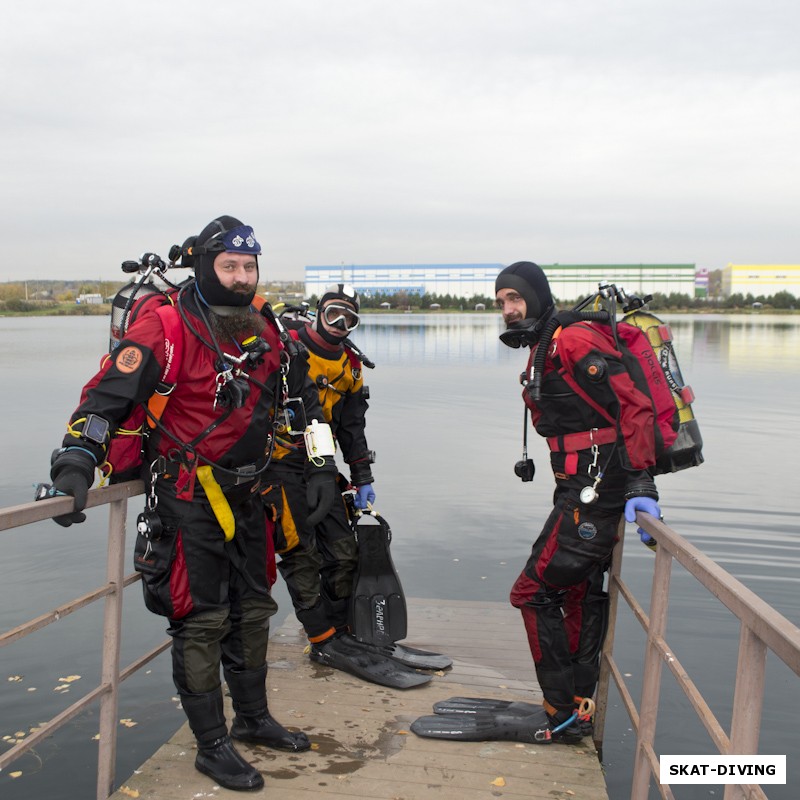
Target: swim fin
<point>480,719</point>
<point>484,726</point>
<point>345,653</point>
<point>378,605</point>
<point>411,657</point>
<point>519,708</point>
<point>474,705</point>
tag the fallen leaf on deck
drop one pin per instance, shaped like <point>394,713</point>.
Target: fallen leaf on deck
<point>499,782</point>
<point>129,792</point>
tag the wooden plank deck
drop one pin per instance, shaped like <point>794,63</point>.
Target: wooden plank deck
<point>362,747</point>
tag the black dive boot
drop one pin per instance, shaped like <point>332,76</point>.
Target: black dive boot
<point>216,755</point>
<point>565,727</point>
<point>253,722</point>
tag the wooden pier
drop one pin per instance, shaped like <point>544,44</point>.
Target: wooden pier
<point>361,743</point>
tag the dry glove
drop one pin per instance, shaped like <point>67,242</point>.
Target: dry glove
<point>321,488</point>
<point>72,471</point>
<point>364,495</point>
<point>649,506</point>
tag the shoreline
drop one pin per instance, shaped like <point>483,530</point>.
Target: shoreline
<point>104,310</point>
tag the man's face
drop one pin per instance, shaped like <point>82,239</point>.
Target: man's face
<point>237,272</point>
<point>512,306</point>
<point>338,318</point>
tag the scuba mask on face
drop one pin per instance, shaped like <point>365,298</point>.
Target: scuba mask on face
<point>341,317</point>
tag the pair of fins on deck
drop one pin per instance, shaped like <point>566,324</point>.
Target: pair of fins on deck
<point>480,719</point>
<point>378,619</point>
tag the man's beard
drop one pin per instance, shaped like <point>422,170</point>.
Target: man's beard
<point>238,325</point>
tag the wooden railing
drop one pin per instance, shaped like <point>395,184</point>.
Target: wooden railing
<point>107,692</point>
<point>762,629</point>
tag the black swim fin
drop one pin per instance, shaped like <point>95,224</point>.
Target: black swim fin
<point>411,657</point>
<point>378,605</point>
<point>474,705</point>
<point>479,719</point>
<point>484,726</point>
<point>345,653</point>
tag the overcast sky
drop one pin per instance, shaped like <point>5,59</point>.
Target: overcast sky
<point>421,131</point>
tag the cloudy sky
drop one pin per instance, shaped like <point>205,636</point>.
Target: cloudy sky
<point>368,131</point>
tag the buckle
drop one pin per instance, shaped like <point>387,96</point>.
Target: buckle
<point>236,477</point>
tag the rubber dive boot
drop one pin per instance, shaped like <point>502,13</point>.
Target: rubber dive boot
<point>216,755</point>
<point>570,733</point>
<point>223,763</point>
<point>253,723</point>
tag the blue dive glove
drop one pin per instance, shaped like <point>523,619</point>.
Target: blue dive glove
<point>364,494</point>
<point>649,506</point>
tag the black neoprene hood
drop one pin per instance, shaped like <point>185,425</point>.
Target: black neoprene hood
<point>530,281</point>
<point>213,240</point>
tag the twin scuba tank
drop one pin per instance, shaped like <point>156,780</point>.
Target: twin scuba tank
<point>150,280</point>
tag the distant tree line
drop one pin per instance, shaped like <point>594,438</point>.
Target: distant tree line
<point>32,296</point>
<point>660,302</point>
<point>675,300</point>
<point>406,301</point>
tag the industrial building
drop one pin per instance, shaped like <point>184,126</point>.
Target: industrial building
<point>568,281</point>
<point>761,279</point>
<point>458,280</point>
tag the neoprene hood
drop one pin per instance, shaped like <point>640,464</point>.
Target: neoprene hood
<point>223,235</point>
<point>530,281</point>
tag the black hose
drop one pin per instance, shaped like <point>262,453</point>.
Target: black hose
<point>561,319</point>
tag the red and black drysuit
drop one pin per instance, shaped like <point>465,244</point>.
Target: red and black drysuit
<point>216,593</point>
<point>560,592</point>
<point>318,562</point>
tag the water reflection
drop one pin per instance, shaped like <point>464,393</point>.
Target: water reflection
<point>761,342</point>
<point>421,339</point>
<point>446,421</point>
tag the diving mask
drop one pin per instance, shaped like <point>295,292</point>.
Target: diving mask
<point>340,316</point>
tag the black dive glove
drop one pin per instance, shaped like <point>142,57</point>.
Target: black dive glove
<point>72,473</point>
<point>321,488</point>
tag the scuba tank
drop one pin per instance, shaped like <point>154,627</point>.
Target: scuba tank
<point>686,450</point>
<point>150,280</point>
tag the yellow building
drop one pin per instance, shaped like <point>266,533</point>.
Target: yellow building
<point>761,279</point>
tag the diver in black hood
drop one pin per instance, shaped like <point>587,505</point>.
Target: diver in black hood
<point>560,591</point>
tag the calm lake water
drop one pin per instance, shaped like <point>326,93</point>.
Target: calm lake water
<point>445,420</point>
